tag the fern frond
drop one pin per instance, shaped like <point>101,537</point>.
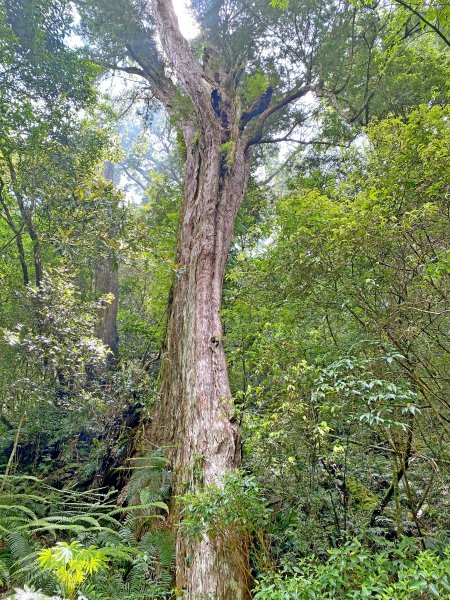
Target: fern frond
<point>135,507</point>
<point>19,545</point>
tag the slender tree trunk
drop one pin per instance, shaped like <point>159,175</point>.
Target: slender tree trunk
<point>14,450</point>
<point>28,223</point>
<point>18,237</point>
<point>23,262</point>
<point>107,282</point>
<point>27,220</point>
<point>38,269</point>
<point>195,417</point>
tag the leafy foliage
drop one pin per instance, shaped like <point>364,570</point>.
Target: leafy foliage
<point>236,504</point>
<point>72,564</point>
<point>355,571</point>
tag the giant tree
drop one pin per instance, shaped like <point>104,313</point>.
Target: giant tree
<point>252,77</point>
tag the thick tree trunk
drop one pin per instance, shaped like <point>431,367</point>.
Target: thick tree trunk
<point>195,419</point>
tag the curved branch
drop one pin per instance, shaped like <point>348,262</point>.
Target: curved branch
<point>424,20</point>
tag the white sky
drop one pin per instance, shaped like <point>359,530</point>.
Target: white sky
<point>188,27</point>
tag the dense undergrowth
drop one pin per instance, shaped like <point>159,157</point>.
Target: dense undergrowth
<point>73,543</point>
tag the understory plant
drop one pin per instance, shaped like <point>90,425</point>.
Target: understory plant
<point>71,564</point>
<point>81,544</point>
<point>236,504</point>
<point>355,571</point>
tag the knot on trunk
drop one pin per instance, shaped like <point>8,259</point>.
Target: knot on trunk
<point>215,341</point>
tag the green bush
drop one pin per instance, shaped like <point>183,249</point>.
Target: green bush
<point>236,504</point>
<point>355,572</point>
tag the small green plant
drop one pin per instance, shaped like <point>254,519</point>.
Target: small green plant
<point>228,150</point>
<point>236,503</point>
<point>195,138</point>
<point>72,564</point>
<point>255,85</point>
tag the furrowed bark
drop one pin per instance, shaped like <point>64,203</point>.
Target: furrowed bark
<point>195,421</point>
<point>195,416</point>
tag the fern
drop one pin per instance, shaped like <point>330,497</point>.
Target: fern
<point>136,550</point>
<point>19,545</point>
<point>162,542</point>
<point>4,573</point>
<point>150,480</point>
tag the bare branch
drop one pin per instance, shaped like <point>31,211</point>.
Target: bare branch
<point>287,138</point>
<point>133,178</point>
<point>112,67</point>
<point>424,20</point>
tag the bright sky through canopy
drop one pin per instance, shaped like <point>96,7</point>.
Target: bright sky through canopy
<point>188,26</point>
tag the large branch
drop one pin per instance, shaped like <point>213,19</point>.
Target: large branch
<point>161,86</point>
<point>122,69</point>
<point>184,62</point>
<point>287,99</point>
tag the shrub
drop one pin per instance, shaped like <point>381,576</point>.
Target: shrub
<point>354,572</point>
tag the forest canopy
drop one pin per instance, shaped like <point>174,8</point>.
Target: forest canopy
<point>224,299</point>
